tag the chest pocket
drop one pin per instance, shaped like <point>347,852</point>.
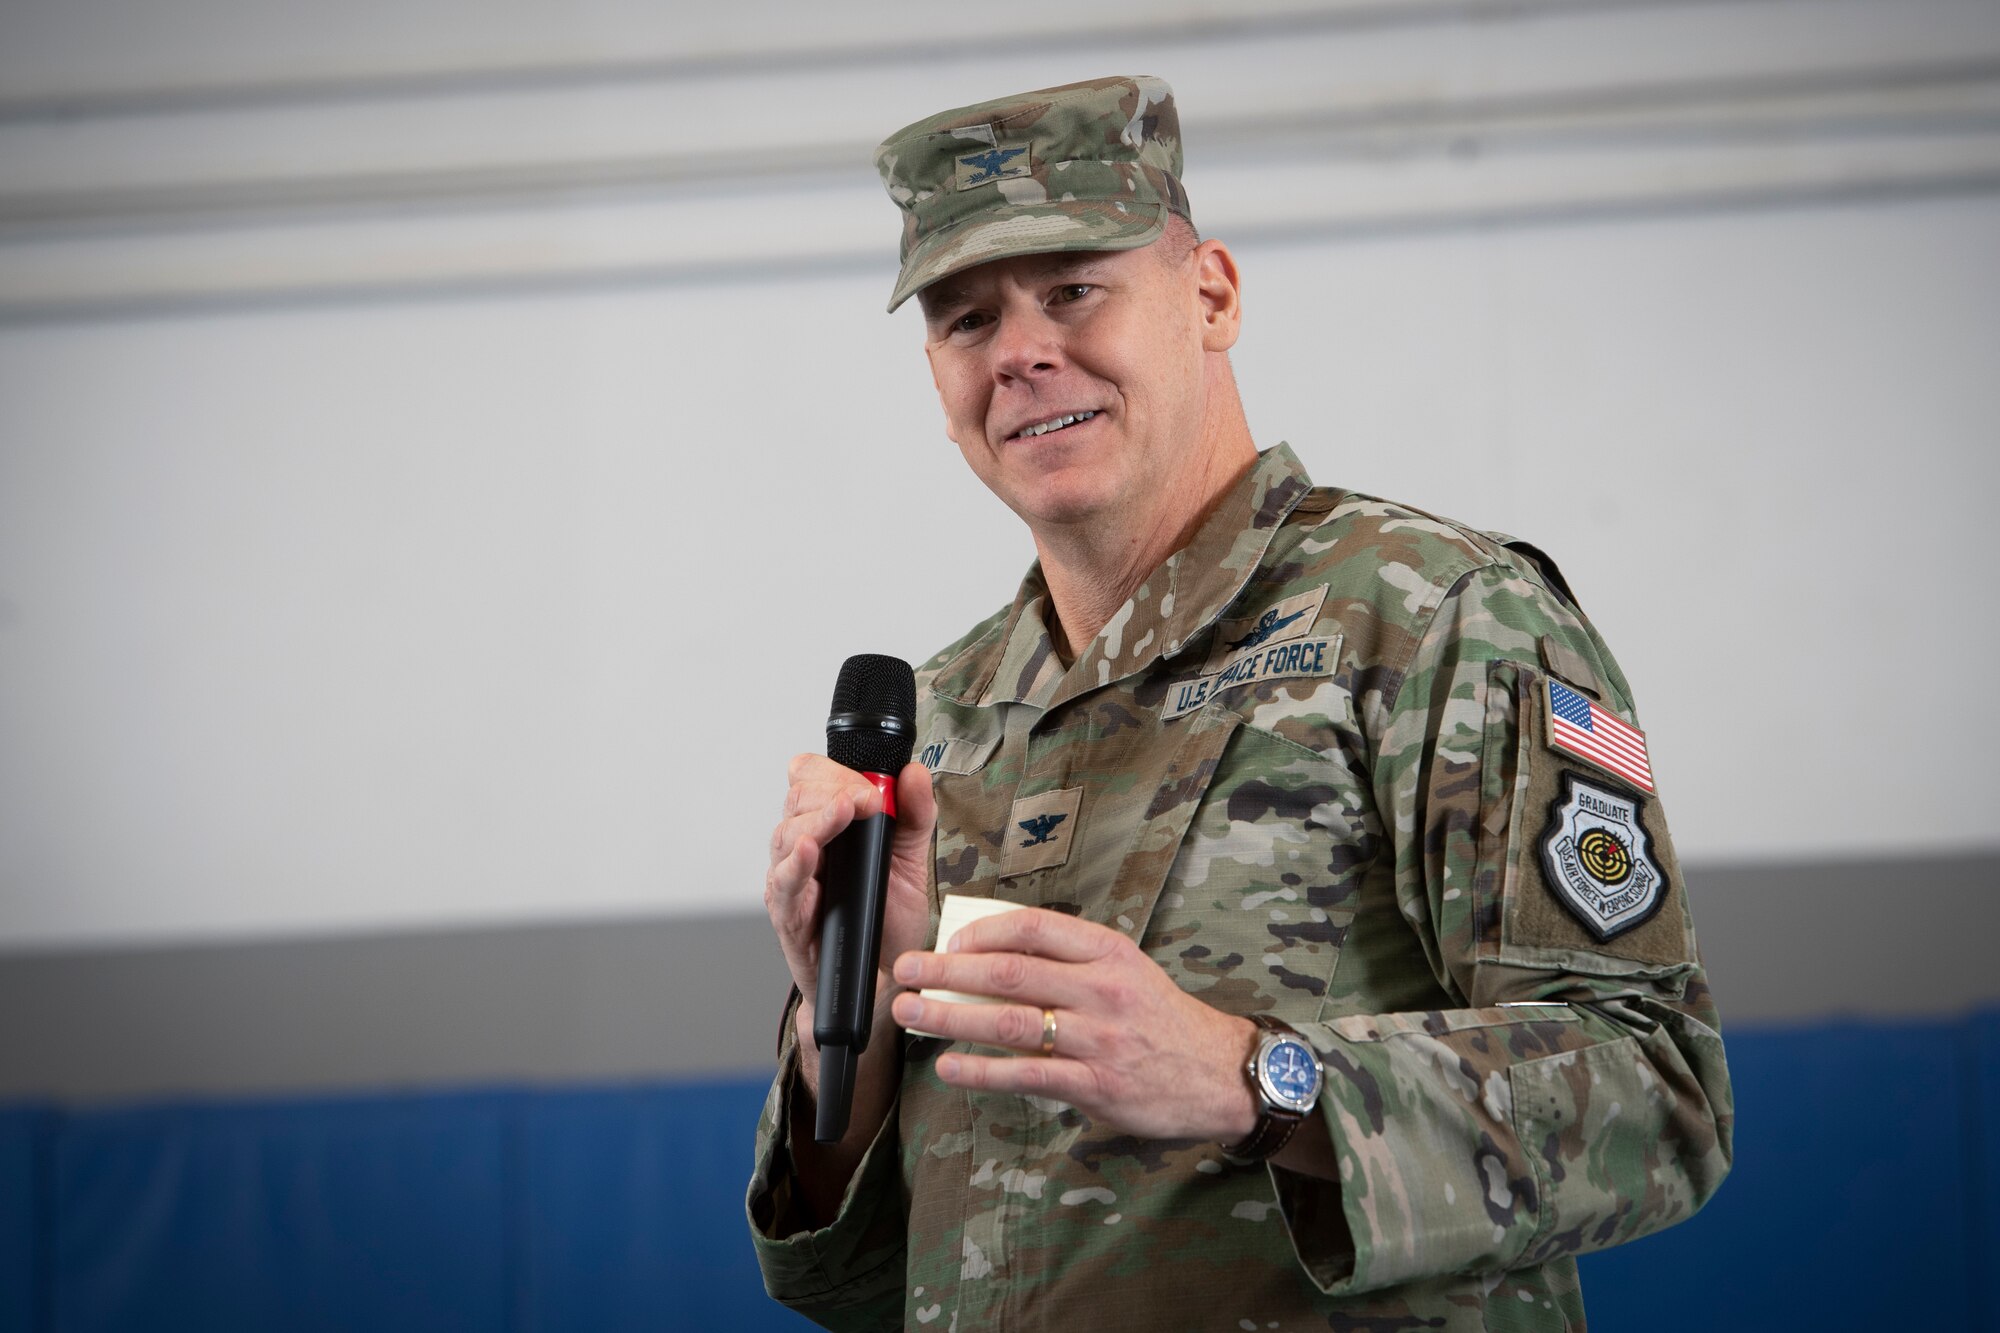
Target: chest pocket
<point>1267,881</point>
<point>1128,808</point>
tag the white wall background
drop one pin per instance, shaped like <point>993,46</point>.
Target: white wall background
<point>444,462</point>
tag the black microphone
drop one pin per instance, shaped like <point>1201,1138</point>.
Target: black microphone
<point>872,729</point>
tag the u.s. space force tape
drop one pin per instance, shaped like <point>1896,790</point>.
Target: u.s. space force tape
<point>1276,661</point>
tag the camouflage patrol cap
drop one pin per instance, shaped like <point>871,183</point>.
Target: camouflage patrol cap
<point>1087,166</point>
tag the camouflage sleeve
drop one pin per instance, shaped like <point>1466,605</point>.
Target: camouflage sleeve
<point>847,1275</point>
<point>1576,1096</point>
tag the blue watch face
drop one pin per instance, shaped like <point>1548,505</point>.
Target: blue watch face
<point>1289,1069</point>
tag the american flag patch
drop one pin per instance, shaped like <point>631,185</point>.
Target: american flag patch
<point>1579,727</point>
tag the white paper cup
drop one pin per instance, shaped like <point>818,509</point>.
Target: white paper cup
<point>954,914</point>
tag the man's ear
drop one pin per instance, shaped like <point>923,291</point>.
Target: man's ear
<point>1219,288</point>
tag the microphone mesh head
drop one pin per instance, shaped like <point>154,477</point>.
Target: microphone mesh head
<point>872,685</point>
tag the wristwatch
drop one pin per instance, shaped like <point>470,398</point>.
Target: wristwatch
<point>1286,1075</point>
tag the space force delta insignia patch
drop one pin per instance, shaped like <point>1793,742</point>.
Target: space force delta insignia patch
<point>1599,858</point>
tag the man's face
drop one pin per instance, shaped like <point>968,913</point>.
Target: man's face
<point>1073,383</point>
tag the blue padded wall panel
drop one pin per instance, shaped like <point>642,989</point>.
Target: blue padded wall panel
<point>634,1210</point>
<point>1868,1166</point>
<point>380,1213</point>
<point>22,1135</point>
<point>1982,1040</point>
<point>1846,1208</point>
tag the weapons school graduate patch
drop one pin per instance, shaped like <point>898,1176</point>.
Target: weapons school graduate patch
<point>1598,858</point>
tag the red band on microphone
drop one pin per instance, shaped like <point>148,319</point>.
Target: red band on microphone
<point>887,786</point>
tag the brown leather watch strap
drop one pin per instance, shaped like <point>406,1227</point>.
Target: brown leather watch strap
<point>1274,1130</point>
<point>1275,1125</point>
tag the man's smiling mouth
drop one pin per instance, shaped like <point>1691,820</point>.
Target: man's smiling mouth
<point>1053,424</point>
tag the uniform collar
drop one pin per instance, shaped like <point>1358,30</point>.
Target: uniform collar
<point>1017,663</point>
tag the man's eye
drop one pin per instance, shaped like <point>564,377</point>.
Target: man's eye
<point>1072,291</point>
<point>967,322</point>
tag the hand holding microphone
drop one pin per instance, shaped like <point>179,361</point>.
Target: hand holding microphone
<point>872,729</point>
<point>846,890</point>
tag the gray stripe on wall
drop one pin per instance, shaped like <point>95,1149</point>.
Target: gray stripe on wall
<point>544,1003</point>
<point>692,996</point>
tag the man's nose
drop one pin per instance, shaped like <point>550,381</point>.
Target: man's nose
<point>1027,345</point>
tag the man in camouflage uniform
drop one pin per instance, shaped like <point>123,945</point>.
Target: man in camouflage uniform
<point>1254,747</point>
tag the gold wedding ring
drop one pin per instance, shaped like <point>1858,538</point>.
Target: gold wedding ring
<point>1048,1032</point>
